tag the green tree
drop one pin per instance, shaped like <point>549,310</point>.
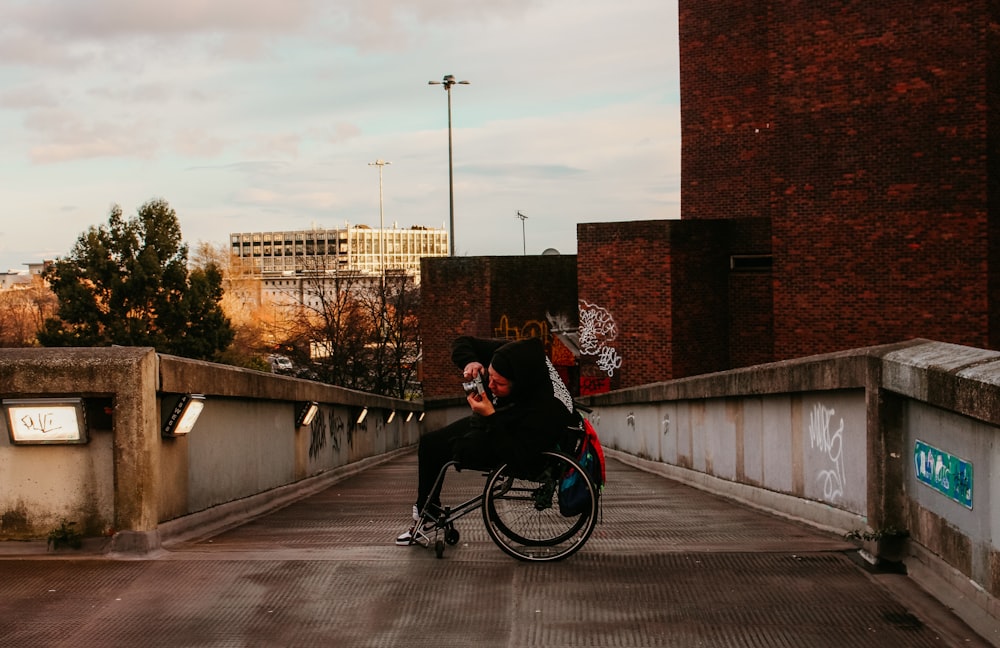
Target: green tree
<point>127,283</point>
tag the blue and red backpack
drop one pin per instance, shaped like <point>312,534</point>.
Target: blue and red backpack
<point>587,451</point>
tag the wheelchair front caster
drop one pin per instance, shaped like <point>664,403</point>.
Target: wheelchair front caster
<point>439,548</point>
<point>451,536</point>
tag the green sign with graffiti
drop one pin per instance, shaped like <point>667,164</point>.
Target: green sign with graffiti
<point>945,473</point>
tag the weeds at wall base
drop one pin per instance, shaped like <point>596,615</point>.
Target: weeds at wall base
<point>65,535</point>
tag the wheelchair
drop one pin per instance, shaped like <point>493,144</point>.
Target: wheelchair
<point>521,509</point>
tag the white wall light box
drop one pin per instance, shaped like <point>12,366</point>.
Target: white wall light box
<point>306,413</point>
<point>181,417</point>
<point>41,421</point>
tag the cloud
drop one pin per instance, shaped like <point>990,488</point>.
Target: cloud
<point>28,96</point>
<point>283,145</point>
<point>61,136</point>
<point>198,143</point>
<point>543,171</point>
<point>101,19</point>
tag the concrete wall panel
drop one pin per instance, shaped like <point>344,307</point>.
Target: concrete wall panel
<point>834,446</point>
<point>226,461</point>
<point>750,442</point>
<point>42,485</point>
<point>776,449</point>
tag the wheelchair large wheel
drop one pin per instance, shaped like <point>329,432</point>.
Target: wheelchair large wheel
<point>522,513</point>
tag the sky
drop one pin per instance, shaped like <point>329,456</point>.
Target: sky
<point>260,115</point>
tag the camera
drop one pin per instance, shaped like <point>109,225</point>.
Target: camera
<point>474,386</point>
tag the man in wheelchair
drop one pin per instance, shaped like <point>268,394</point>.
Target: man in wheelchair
<point>520,412</point>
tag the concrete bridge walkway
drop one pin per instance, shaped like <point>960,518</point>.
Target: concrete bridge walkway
<point>669,566</point>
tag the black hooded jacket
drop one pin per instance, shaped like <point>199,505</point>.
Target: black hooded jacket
<point>534,417</point>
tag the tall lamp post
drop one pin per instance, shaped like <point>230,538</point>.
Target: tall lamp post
<point>447,82</point>
<point>381,222</point>
<point>524,240</point>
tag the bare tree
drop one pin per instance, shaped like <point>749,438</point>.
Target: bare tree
<point>391,305</point>
<point>336,329</point>
<point>352,329</point>
<point>23,310</point>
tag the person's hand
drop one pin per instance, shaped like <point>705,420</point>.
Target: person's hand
<point>480,404</point>
<point>472,370</point>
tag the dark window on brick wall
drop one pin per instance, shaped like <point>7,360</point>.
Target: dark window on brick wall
<point>750,262</point>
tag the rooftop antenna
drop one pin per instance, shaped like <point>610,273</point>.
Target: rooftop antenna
<point>524,244</point>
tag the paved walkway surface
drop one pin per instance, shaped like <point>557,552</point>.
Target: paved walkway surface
<point>668,566</point>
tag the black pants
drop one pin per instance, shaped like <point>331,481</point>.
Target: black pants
<point>462,441</point>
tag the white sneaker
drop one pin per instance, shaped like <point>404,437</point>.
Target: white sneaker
<point>415,535</point>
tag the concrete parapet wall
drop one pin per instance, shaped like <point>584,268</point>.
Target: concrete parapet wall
<point>128,479</point>
<point>842,441</point>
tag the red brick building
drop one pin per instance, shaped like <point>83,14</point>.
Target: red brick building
<point>499,297</point>
<point>840,188</point>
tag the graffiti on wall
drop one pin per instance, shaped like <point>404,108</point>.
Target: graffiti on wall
<point>597,331</point>
<point>830,443</point>
<point>594,385</point>
<point>322,428</point>
<point>530,328</point>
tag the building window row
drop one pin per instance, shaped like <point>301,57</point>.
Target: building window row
<point>354,249</point>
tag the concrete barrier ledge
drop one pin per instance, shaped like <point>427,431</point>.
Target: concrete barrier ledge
<point>213,521</point>
<point>203,524</point>
<point>814,514</point>
<point>956,591</point>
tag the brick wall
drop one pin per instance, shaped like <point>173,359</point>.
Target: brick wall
<point>665,291</point>
<point>454,300</point>
<point>993,168</point>
<point>725,115</point>
<point>861,131</point>
<point>751,298</point>
<point>500,297</point>
<point>701,310</point>
<point>626,303</point>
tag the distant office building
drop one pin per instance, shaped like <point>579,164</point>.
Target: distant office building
<point>13,278</point>
<point>295,267</point>
<point>22,278</point>
<point>358,249</point>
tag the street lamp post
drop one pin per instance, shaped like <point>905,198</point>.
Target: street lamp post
<point>524,240</point>
<point>381,221</point>
<point>447,82</point>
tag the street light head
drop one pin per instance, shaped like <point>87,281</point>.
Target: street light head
<point>447,82</point>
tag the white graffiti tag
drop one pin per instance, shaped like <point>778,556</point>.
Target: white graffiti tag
<point>832,444</point>
<point>608,360</point>
<point>597,330</point>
